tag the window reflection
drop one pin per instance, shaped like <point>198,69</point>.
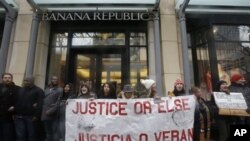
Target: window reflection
<point>60,39</point>
<point>244,35</point>
<point>97,38</point>
<point>98,65</point>
<point>138,64</point>
<point>57,63</point>
<point>226,33</point>
<point>232,48</point>
<point>204,66</point>
<point>58,56</point>
<point>201,61</point>
<point>137,39</point>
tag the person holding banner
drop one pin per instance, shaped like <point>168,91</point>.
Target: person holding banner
<point>238,84</point>
<point>202,117</point>
<point>127,92</point>
<point>85,92</point>
<point>107,91</point>
<point>150,85</point>
<point>223,121</point>
<point>178,89</point>
<point>67,94</point>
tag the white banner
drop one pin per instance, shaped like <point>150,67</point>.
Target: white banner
<point>130,120</point>
<point>230,101</point>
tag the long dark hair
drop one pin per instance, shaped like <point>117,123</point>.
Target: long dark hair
<point>218,84</point>
<point>111,94</point>
<point>65,95</point>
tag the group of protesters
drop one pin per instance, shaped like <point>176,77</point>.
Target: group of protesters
<point>29,113</point>
<point>208,123</point>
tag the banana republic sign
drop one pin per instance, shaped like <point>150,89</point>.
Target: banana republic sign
<point>102,16</point>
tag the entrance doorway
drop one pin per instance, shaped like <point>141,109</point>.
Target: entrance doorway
<point>119,57</point>
<point>96,67</point>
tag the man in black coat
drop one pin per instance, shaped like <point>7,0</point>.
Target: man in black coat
<point>28,110</point>
<point>8,92</point>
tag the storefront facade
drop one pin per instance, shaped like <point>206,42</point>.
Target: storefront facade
<point>120,45</point>
<point>97,47</point>
<point>218,35</point>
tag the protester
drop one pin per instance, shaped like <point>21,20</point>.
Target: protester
<point>49,115</point>
<point>223,121</point>
<point>140,91</point>
<point>178,89</point>
<point>8,92</point>
<point>28,110</point>
<point>202,118</point>
<point>127,92</point>
<point>67,94</point>
<point>150,85</point>
<point>107,91</point>
<point>85,92</point>
<point>238,84</point>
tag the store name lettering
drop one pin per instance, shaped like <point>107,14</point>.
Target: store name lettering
<point>96,16</point>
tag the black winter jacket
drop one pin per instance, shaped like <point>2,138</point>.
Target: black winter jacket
<point>29,101</point>
<point>7,98</point>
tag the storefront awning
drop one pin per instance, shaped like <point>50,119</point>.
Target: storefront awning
<point>11,3</point>
<point>94,5</point>
<point>216,6</point>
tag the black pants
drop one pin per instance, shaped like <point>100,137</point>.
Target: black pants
<point>7,131</point>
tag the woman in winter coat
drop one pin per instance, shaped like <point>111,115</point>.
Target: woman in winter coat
<point>202,118</point>
<point>67,93</point>
<point>178,89</point>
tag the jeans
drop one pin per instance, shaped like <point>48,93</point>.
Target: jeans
<point>7,131</point>
<point>51,130</point>
<point>62,130</point>
<point>25,128</point>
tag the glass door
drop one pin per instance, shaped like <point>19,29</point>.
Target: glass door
<point>96,69</point>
